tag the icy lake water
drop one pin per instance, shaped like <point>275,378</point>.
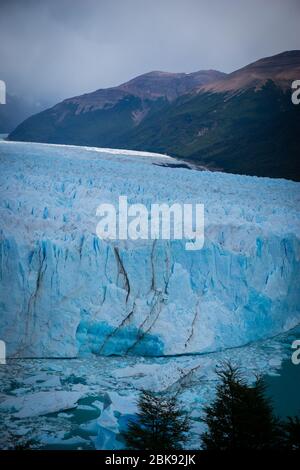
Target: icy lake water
<point>284,390</point>
<point>85,403</point>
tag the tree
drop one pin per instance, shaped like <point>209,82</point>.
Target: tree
<point>160,424</point>
<point>241,417</point>
<point>292,433</point>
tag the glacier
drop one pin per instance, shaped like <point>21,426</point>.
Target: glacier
<point>65,293</point>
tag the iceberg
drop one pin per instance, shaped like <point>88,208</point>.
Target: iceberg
<point>40,403</point>
<point>66,293</point>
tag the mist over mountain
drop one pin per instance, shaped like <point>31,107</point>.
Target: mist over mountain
<point>16,109</point>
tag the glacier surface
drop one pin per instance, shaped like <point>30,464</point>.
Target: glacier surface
<point>65,293</point>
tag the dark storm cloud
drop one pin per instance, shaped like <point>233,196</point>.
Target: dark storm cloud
<point>59,48</point>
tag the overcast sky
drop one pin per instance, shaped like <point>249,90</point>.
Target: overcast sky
<point>60,48</point>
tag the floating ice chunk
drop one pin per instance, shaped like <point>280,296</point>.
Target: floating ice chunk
<point>108,420</point>
<point>275,362</point>
<point>40,403</point>
<point>85,408</point>
<point>91,427</point>
<point>123,404</point>
<point>65,415</point>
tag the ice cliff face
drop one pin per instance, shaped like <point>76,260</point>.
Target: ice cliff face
<point>66,293</point>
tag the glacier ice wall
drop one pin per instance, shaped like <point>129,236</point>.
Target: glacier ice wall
<point>66,293</point>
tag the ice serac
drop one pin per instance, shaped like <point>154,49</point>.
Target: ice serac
<point>65,293</point>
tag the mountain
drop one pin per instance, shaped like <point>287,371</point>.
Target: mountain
<point>103,117</point>
<point>66,293</point>
<point>243,122</point>
<point>16,110</point>
<point>282,69</point>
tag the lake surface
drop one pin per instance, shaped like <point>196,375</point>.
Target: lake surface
<point>284,389</point>
<point>85,403</point>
